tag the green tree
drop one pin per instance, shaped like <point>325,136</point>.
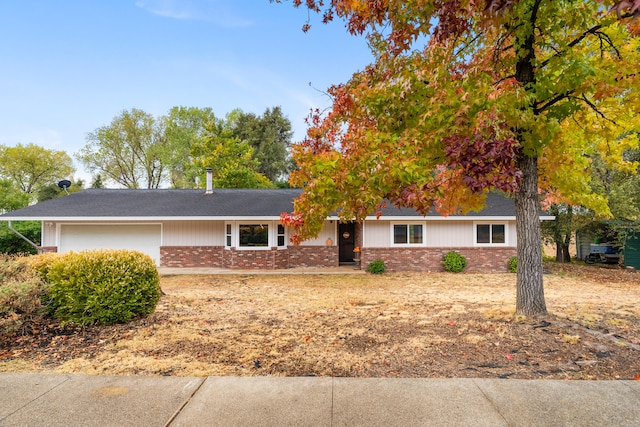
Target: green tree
<point>10,243</point>
<point>231,160</point>
<point>561,230</point>
<point>622,187</point>
<point>270,137</point>
<point>32,167</point>
<point>53,191</point>
<point>183,126</point>
<point>468,96</point>
<point>129,151</point>
<point>97,182</point>
<point>11,197</point>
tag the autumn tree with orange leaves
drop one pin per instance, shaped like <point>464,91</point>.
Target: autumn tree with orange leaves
<point>468,96</point>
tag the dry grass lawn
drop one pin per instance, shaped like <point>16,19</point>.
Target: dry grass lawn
<point>391,325</point>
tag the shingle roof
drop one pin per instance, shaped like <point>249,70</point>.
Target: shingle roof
<point>125,203</point>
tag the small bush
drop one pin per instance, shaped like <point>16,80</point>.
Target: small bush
<point>42,263</point>
<point>376,267</point>
<point>21,293</point>
<point>513,264</point>
<point>102,286</point>
<point>454,262</point>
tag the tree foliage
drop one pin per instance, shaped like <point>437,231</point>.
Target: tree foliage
<point>10,243</point>
<point>53,191</point>
<point>128,151</point>
<point>11,197</point>
<point>621,186</point>
<point>270,137</point>
<point>230,159</point>
<point>137,150</point>
<point>467,96</point>
<point>31,167</point>
<point>183,126</point>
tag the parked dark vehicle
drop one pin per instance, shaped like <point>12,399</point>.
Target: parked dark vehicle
<point>604,253</point>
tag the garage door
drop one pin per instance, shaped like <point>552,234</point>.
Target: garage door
<point>143,238</point>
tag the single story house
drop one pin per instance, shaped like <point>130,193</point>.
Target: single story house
<point>241,229</point>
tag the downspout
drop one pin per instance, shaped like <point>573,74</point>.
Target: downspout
<point>17,233</point>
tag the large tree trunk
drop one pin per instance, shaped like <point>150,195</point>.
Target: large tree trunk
<point>530,288</point>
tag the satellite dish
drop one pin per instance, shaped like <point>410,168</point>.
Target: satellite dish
<point>64,184</point>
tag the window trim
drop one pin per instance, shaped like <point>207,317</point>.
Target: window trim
<point>272,234</point>
<point>269,244</point>
<point>408,224</point>
<point>228,235</point>
<point>490,223</point>
<point>278,235</point>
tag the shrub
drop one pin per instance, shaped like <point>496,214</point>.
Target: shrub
<point>102,286</point>
<point>21,294</point>
<point>454,262</point>
<point>376,267</point>
<point>42,263</point>
<point>513,264</point>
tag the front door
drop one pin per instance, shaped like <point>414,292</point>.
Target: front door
<point>346,242</point>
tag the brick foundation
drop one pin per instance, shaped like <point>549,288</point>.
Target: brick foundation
<point>484,259</point>
<point>313,256</point>
<point>271,259</point>
<point>47,249</point>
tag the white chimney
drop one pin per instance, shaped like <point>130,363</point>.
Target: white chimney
<point>209,189</point>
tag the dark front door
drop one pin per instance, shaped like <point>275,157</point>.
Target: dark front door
<point>346,242</point>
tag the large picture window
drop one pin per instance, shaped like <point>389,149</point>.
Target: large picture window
<point>490,234</point>
<point>253,235</point>
<point>408,234</point>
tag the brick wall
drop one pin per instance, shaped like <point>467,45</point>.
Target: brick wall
<point>254,260</point>
<point>272,259</point>
<point>313,256</point>
<point>48,249</point>
<point>485,259</point>
<point>192,256</point>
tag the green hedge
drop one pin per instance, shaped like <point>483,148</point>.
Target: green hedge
<point>101,286</point>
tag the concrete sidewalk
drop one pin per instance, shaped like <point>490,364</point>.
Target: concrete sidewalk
<point>81,400</point>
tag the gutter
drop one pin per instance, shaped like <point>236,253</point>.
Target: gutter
<point>17,233</point>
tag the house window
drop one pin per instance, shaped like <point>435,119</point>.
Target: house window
<point>253,235</point>
<point>227,237</point>
<point>408,234</point>
<point>491,234</point>
<point>281,235</point>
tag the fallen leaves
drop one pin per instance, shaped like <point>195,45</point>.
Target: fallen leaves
<point>408,325</point>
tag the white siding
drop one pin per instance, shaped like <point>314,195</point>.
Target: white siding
<point>512,237</point>
<point>377,234</point>
<point>49,234</point>
<point>193,233</point>
<point>446,234</point>
<point>328,231</point>
<point>438,234</point>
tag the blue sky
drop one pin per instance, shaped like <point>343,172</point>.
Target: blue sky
<point>70,66</point>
